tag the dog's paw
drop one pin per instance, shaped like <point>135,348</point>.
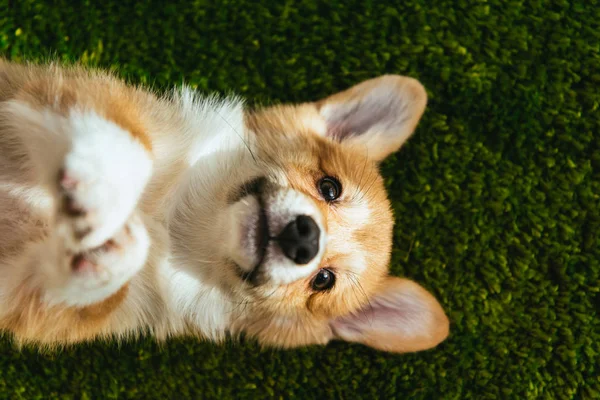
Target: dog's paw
<point>101,180</point>
<point>94,275</point>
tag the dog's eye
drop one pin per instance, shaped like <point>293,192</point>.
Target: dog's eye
<point>324,280</point>
<point>330,188</point>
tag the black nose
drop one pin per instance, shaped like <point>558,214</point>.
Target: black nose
<point>299,240</point>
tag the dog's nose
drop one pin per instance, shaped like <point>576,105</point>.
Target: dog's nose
<point>299,240</point>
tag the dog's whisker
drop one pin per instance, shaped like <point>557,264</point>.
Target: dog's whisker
<point>239,135</point>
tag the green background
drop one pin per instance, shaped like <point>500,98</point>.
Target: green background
<point>496,196</point>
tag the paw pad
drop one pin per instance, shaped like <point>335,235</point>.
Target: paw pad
<point>82,264</point>
<point>66,181</point>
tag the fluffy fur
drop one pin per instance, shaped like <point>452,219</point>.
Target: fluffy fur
<point>124,212</point>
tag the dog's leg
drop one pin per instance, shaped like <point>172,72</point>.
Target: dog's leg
<point>95,171</point>
<point>79,278</point>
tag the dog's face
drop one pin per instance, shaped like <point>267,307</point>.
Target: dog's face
<point>303,227</point>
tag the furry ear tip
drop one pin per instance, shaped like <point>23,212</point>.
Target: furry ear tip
<point>410,89</point>
<point>418,90</point>
<point>438,325</point>
<point>415,91</point>
<point>412,85</point>
<point>441,329</point>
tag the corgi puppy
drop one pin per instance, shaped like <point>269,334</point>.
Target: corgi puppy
<point>124,212</point>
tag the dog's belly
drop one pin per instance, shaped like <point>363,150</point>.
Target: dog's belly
<point>24,206</point>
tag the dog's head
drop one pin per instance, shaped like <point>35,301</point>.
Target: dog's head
<point>300,227</point>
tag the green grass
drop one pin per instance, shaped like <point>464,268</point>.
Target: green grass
<point>496,196</point>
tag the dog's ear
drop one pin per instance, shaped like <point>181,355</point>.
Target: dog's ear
<point>402,317</point>
<point>379,113</point>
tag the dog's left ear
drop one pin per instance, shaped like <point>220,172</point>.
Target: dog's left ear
<point>379,113</point>
<point>402,317</point>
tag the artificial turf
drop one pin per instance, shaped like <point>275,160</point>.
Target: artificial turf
<point>496,196</point>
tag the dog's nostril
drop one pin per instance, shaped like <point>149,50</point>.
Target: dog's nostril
<point>303,224</point>
<point>299,240</point>
<point>302,256</point>
<point>307,227</point>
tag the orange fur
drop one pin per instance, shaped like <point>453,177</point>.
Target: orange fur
<point>309,158</point>
<point>291,138</point>
<point>31,320</point>
<point>61,89</point>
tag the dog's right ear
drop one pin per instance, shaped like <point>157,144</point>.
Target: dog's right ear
<point>402,317</point>
<point>379,113</point>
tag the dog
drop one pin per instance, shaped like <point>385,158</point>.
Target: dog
<point>125,212</point>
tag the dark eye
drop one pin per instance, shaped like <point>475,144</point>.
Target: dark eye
<point>330,188</point>
<point>324,280</point>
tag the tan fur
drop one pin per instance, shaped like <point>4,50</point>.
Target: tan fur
<point>310,158</point>
<point>31,320</point>
<point>61,88</point>
<point>290,138</point>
